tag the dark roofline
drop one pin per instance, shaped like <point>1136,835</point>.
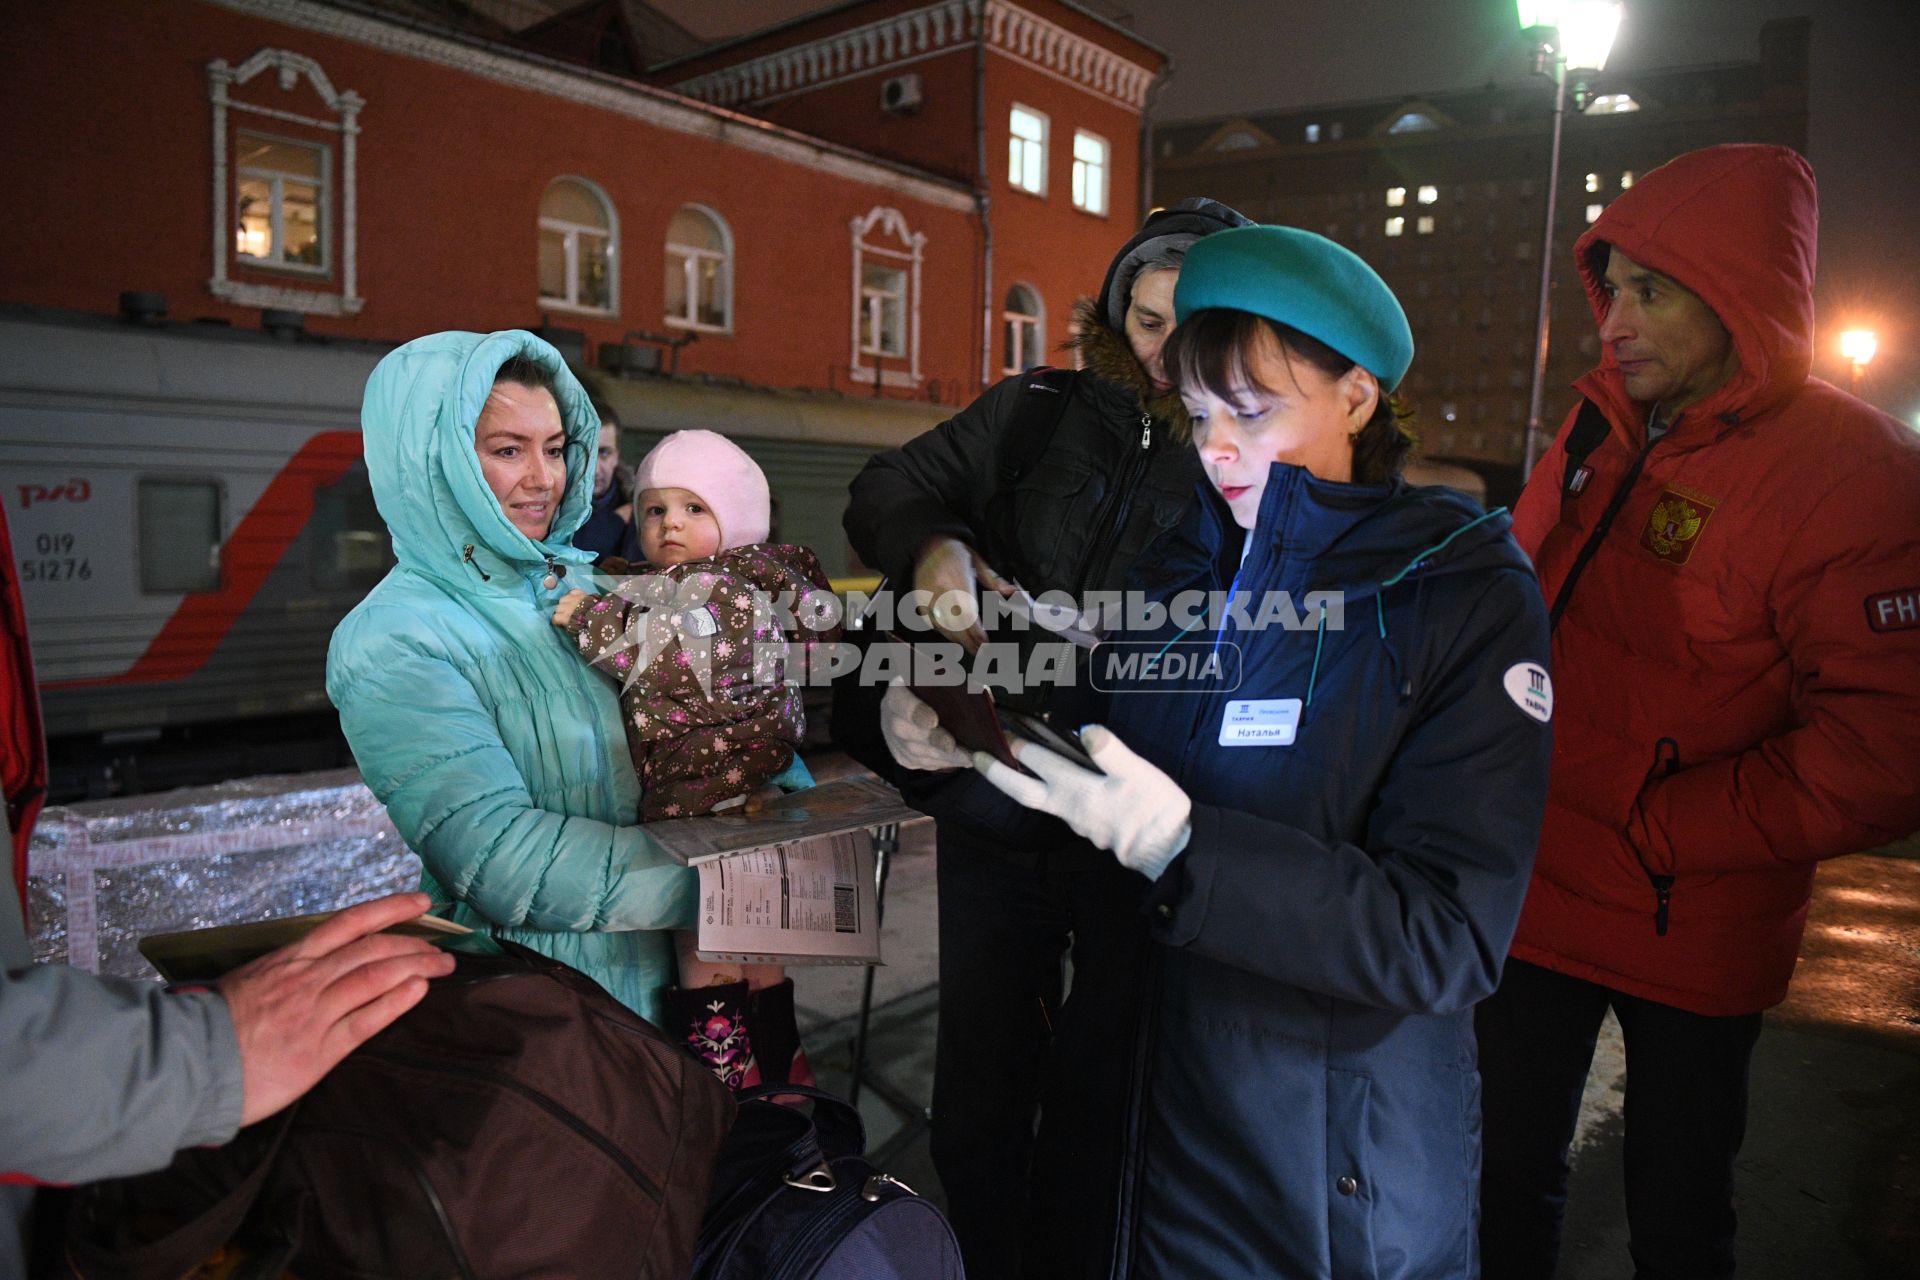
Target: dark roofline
<point>372,11</point>
<point>734,42</point>
<point>1608,79</point>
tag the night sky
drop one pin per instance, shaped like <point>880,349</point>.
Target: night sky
<point>1235,56</point>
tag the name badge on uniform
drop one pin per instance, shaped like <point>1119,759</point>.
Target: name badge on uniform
<point>1260,722</point>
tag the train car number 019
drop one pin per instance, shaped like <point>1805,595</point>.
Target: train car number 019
<point>54,563</point>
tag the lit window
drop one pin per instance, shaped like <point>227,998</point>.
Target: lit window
<point>1413,122</point>
<point>1089,172</point>
<point>1449,410</point>
<point>280,199</point>
<point>576,247</point>
<point>699,270</point>
<point>1429,195</point>
<point>179,535</point>
<point>1425,225</point>
<point>1313,133</point>
<point>1593,182</point>
<point>1396,226</point>
<point>273,195</point>
<point>1594,211</point>
<point>1626,179</point>
<point>1396,196</point>
<point>1020,334</point>
<point>1612,104</point>
<point>1027,150</point>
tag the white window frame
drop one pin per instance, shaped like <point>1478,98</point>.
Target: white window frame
<point>1018,145</point>
<point>1084,171</point>
<point>882,236</point>
<point>1015,325</point>
<point>687,258</point>
<point>223,80</point>
<point>323,206</point>
<point>571,232</point>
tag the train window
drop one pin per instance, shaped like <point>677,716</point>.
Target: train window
<point>179,535</point>
<point>348,545</point>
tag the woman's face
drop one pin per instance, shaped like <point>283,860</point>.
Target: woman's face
<point>1291,412</point>
<point>522,447</point>
<point>675,527</point>
<point>1149,321</point>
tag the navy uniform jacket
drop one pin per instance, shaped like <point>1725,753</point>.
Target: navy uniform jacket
<point>1309,1096</point>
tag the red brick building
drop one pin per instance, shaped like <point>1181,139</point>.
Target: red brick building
<point>386,177</point>
<point>824,237</point>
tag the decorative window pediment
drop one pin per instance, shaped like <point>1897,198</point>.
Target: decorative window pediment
<point>275,192</point>
<point>886,298</point>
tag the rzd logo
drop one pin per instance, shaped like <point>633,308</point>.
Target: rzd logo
<point>74,490</point>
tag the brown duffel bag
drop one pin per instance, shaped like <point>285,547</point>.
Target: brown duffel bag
<point>518,1122</point>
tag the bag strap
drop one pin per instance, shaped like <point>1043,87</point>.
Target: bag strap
<point>1041,405</point>
<point>836,1123</point>
<point>1589,429</point>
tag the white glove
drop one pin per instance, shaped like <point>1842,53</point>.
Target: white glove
<point>914,735</point>
<point>1135,810</point>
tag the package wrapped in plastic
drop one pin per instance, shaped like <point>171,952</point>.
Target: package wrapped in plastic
<point>102,875</point>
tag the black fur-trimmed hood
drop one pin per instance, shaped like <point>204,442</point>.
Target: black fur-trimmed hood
<point>1105,354</point>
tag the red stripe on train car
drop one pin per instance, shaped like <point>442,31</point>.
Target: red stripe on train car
<point>250,553</point>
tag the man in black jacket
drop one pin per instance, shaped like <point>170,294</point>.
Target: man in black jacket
<point>1023,487</point>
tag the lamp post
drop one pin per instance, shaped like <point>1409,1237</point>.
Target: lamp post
<point>1858,346</point>
<point>1569,35</point>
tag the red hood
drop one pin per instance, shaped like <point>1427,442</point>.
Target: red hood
<point>1735,224</point>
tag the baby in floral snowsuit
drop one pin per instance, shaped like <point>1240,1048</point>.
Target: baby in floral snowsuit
<point>710,717</point>
<point>709,714</point>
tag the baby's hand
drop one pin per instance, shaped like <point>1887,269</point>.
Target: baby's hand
<point>568,606</point>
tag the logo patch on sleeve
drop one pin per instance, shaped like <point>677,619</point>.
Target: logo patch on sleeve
<point>1674,527</point>
<point>1531,689</point>
<point>1894,610</point>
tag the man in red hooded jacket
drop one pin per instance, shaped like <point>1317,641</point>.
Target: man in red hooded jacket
<point>1731,552</point>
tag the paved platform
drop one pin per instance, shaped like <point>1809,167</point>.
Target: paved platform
<point>1829,1181</point>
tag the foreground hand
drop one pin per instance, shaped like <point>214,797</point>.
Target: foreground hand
<point>948,568</point>
<point>299,1010</point>
<point>1135,810</point>
<point>914,735</point>
<point>568,606</point>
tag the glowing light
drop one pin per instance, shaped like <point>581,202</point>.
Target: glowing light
<point>1859,345</point>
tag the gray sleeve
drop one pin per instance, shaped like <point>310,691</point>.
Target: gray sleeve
<point>104,1077</point>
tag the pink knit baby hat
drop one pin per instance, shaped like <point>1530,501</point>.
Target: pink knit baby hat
<point>714,467</point>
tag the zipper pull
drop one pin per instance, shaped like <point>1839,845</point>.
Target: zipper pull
<point>555,572</point>
<point>1663,897</point>
<point>468,559</point>
<point>1146,431</point>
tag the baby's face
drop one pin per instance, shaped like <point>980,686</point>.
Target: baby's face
<point>675,527</point>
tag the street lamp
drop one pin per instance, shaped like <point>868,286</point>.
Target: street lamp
<point>1569,35</point>
<point>1858,346</point>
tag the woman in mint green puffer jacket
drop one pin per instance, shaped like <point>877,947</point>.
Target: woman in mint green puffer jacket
<point>499,754</point>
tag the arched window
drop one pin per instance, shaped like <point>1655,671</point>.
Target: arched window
<point>579,239</point>
<point>1023,322</point>
<point>699,270</point>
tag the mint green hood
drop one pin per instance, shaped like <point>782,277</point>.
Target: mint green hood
<point>417,421</point>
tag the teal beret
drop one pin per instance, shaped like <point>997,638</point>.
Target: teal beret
<point>1305,281</point>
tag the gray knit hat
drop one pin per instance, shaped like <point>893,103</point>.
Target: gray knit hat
<point>1167,231</point>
